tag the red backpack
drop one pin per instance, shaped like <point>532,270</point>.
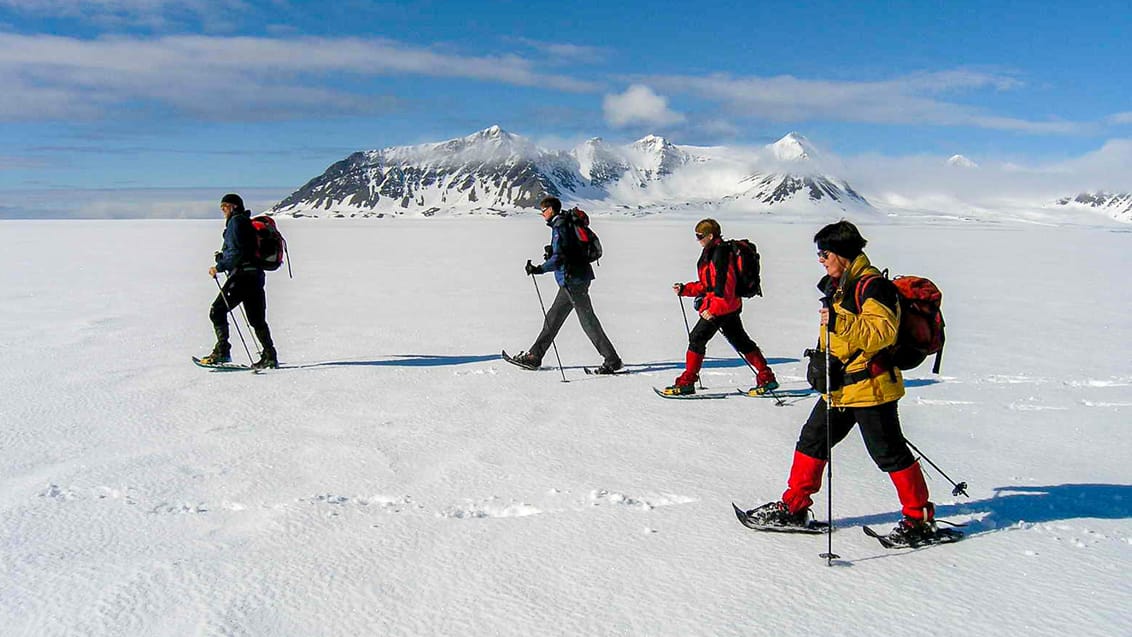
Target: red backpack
<point>921,321</point>
<point>270,244</point>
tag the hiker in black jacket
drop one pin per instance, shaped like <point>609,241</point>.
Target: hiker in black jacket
<point>244,285</point>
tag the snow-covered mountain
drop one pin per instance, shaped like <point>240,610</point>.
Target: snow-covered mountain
<point>796,178</point>
<point>496,172</point>
<point>491,169</point>
<point>959,161</point>
<point>1116,205</point>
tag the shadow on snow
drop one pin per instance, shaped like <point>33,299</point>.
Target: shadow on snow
<point>1013,505</point>
<point>433,360</point>
<point>406,360</point>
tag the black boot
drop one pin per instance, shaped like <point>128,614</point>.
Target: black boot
<point>267,359</point>
<point>777,514</point>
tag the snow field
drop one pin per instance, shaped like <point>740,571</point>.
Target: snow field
<point>397,478</point>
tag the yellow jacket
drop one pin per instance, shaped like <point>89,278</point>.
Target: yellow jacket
<point>867,330</point>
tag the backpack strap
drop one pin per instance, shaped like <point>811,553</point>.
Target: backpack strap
<point>723,255</point>
<point>885,361</point>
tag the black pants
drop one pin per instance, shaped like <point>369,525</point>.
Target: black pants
<point>731,326</point>
<point>246,287</point>
<point>880,427</point>
<point>574,297</point>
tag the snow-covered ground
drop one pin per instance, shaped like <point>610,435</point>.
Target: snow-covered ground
<point>397,478</point>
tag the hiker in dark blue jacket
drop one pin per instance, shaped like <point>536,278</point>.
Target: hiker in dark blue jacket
<point>244,285</point>
<point>567,272</point>
<point>574,276</point>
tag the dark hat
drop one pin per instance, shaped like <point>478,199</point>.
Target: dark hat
<point>233,199</point>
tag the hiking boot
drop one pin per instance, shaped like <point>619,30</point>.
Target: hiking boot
<point>777,514</point>
<point>764,381</point>
<point>218,355</point>
<point>267,360</point>
<point>912,532</point>
<point>609,367</point>
<point>528,360</point>
<point>763,388</point>
<point>685,383</point>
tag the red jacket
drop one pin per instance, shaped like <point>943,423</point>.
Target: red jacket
<point>716,268</point>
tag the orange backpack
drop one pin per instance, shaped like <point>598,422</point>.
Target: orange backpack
<point>921,321</point>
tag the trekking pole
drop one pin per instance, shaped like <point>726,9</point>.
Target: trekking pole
<point>234,320</point>
<point>829,555</point>
<point>960,488</point>
<point>689,330</point>
<point>543,307</point>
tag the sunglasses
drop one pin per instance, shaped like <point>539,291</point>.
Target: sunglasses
<point>700,236</point>
<point>823,255</point>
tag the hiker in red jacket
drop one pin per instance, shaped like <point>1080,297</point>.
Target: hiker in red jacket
<point>719,307</point>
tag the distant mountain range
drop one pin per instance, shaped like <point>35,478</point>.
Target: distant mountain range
<point>1118,205</point>
<point>496,172</point>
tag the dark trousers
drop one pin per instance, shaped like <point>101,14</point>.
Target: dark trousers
<point>246,287</point>
<point>880,428</point>
<point>732,328</point>
<point>574,297</point>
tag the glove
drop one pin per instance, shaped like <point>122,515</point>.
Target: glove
<point>532,269</point>
<point>546,252</point>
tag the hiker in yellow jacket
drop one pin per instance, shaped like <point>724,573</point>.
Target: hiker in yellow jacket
<point>861,311</point>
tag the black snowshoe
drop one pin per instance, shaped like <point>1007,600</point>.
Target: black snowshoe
<point>605,369</point>
<point>911,533</point>
<point>526,360</point>
<point>777,518</point>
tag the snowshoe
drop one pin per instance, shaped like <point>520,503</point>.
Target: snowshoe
<point>911,533</point>
<point>679,390</point>
<point>526,360</point>
<point>606,368</point>
<point>763,388</point>
<point>777,518</point>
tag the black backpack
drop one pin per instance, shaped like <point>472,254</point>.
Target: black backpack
<point>748,282</point>
<point>582,243</point>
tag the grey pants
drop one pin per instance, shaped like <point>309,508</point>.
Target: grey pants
<point>574,297</point>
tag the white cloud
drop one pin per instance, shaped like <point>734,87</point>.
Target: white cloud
<point>565,52</point>
<point>1121,118</point>
<point>53,77</point>
<point>155,14</point>
<point>903,100</point>
<point>638,105</point>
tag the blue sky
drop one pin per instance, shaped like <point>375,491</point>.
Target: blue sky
<point>241,94</point>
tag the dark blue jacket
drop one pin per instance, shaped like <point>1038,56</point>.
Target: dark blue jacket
<point>238,252</point>
<point>566,272</point>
